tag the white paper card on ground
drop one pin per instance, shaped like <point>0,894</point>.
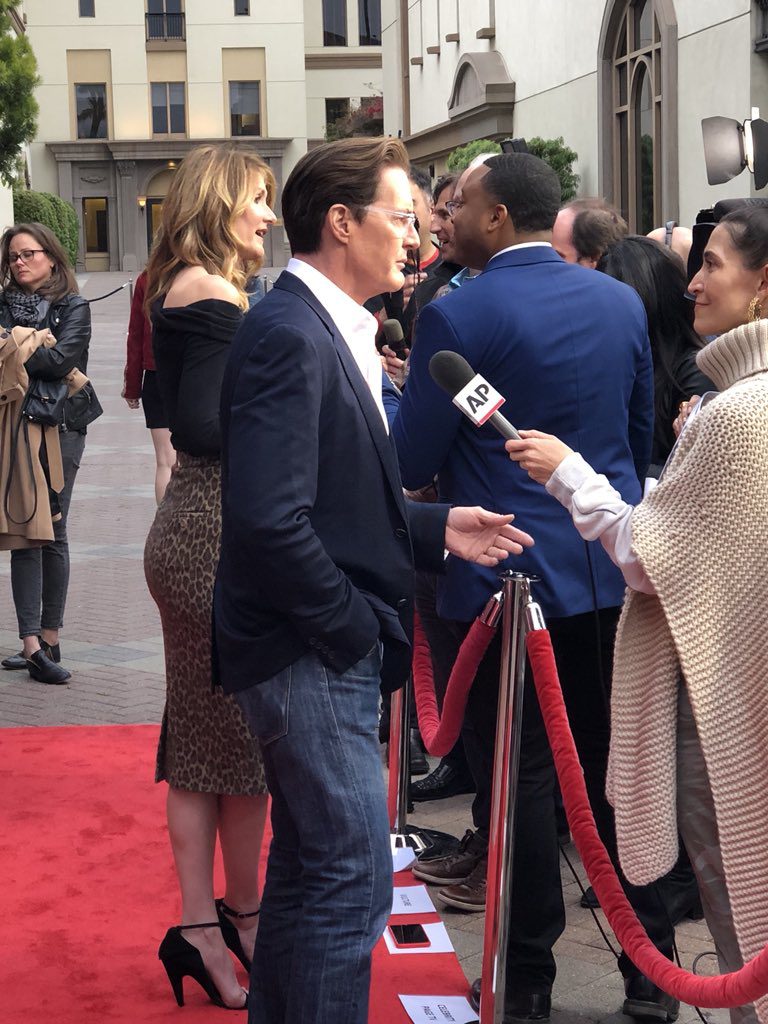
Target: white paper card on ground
<point>412,899</point>
<point>439,1009</point>
<point>402,858</point>
<point>439,941</point>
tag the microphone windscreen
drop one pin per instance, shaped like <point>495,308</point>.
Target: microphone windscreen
<point>393,333</point>
<point>450,371</point>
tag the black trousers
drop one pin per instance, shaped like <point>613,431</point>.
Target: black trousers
<point>583,646</point>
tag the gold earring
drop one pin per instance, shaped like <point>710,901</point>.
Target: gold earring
<point>754,310</point>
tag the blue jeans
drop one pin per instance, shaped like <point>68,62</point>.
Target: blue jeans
<point>328,890</point>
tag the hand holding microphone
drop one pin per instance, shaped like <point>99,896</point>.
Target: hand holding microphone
<point>538,454</point>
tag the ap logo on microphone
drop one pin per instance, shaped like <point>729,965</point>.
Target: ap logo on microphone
<point>478,400</point>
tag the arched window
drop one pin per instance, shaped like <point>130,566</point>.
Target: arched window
<point>638,100</point>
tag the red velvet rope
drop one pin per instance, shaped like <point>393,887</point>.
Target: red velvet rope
<point>742,986</point>
<point>440,733</point>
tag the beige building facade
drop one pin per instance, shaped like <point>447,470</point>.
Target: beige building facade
<point>626,83</point>
<point>130,86</point>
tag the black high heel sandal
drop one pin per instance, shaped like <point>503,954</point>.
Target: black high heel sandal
<point>181,959</point>
<point>229,932</point>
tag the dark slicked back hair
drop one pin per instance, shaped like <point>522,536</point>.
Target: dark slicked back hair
<point>748,228</point>
<point>421,180</point>
<point>345,172</point>
<point>596,225</point>
<point>443,182</point>
<point>527,186</point>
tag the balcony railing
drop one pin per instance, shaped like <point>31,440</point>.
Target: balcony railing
<point>165,26</point>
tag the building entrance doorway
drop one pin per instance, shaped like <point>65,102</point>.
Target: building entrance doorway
<point>153,211</point>
<point>96,232</point>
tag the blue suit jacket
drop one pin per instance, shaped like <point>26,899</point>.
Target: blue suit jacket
<point>568,349</point>
<point>317,541</point>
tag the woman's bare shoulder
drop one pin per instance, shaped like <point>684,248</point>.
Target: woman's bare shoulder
<point>194,285</point>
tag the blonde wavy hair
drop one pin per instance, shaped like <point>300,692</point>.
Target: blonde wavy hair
<point>211,189</point>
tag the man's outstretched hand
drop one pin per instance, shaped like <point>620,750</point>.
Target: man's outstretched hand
<point>487,538</point>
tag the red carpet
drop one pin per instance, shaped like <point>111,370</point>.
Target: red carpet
<point>89,889</point>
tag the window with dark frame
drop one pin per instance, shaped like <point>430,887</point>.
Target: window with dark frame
<point>334,22</point>
<point>336,108</point>
<point>637,116</point>
<point>91,110</point>
<point>245,108</point>
<point>165,19</point>
<point>169,115</point>
<point>87,8</point>
<point>369,17</point>
<point>242,7</point>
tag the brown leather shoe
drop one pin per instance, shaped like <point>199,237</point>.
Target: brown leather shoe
<point>469,895</point>
<point>455,867</point>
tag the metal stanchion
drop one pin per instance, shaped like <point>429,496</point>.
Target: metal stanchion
<point>425,842</point>
<point>515,600</point>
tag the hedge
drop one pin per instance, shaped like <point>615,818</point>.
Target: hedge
<point>53,212</point>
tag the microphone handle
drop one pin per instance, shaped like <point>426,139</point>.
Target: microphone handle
<point>504,427</point>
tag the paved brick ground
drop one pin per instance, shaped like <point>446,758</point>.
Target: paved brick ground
<point>112,644</point>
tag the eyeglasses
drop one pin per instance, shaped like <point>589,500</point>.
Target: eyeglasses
<point>453,205</point>
<point>405,220</point>
<point>25,255</point>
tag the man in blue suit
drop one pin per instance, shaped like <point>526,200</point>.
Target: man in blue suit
<point>568,348</point>
<point>313,598</point>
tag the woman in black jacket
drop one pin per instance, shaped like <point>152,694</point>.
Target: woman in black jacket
<point>39,290</point>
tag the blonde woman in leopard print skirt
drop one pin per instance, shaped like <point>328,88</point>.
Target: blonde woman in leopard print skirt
<point>215,216</point>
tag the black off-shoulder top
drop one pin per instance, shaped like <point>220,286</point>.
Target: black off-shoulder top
<point>191,346</point>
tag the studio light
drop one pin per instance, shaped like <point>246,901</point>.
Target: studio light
<point>730,146</point>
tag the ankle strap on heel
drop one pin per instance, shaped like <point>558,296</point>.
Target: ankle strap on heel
<point>222,906</point>
<point>205,924</point>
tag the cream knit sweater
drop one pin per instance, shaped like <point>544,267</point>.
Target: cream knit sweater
<point>702,538</point>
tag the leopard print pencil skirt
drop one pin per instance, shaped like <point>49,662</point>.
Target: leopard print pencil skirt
<point>205,744</point>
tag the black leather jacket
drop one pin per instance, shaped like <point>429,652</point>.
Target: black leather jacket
<point>69,321</point>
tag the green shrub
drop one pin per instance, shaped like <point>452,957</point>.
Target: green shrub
<point>462,156</point>
<point>561,159</point>
<point>53,212</point>
<point>554,152</point>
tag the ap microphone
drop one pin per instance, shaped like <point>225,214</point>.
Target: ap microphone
<point>470,392</point>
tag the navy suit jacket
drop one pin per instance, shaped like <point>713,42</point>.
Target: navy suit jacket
<point>317,540</point>
<point>568,349</point>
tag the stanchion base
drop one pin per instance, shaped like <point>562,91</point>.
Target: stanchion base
<point>425,842</point>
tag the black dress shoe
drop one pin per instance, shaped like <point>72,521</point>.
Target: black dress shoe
<point>443,782</point>
<point>645,1001</point>
<point>517,1006</point>
<point>16,661</point>
<point>43,670</point>
<point>418,758</point>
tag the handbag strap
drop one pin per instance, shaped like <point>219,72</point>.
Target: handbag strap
<point>20,423</point>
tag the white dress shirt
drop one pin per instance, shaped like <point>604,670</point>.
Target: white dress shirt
<point>356,325</point>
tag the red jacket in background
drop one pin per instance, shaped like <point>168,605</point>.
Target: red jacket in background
<point>139,355</point>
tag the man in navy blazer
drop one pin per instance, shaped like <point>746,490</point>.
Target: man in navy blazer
<point>315,578</point>
<point>568,349</point>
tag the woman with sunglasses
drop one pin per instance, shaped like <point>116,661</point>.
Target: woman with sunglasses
<point>39,290</point>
